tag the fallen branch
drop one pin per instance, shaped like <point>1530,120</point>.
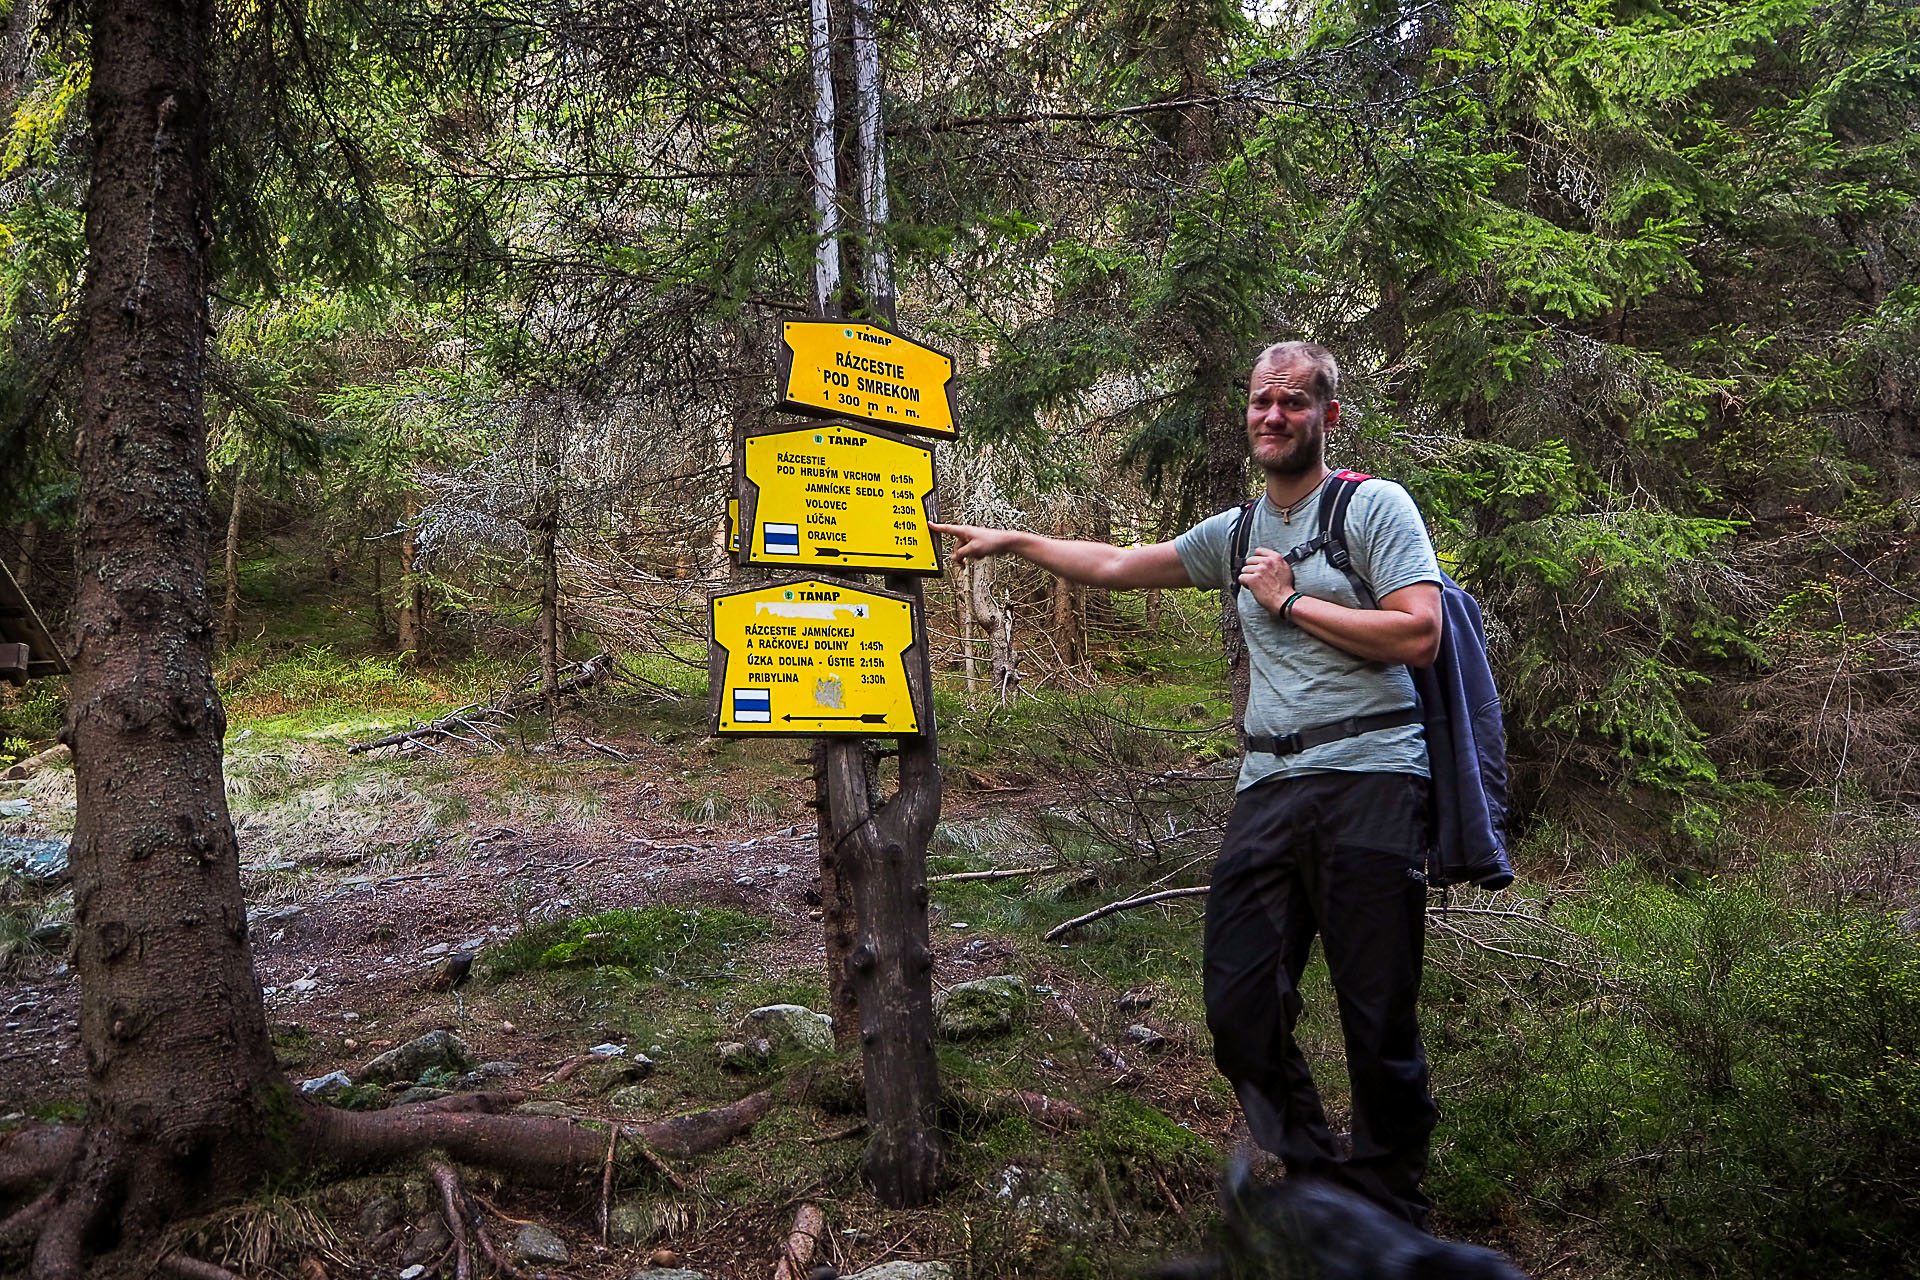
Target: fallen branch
<point>1108,1054</point>
<point>470,716</point>
<point>1165,895</point>
<point>652,1158</point>
<point>1009,874</point>
<point>57,754</point>
<point>809,1226</point>
<point>570,1066</point>
<point>606,1183</point>
<point>1462,934</point>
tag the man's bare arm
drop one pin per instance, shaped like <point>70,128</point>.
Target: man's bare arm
<point>1097,564</point>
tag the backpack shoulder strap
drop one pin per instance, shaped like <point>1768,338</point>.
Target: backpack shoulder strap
<point>1334,502</point>
<point>1242,541</point>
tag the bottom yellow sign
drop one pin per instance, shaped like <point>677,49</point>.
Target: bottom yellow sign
<point>810,657</point>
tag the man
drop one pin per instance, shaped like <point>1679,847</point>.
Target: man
<point>1330,838</point>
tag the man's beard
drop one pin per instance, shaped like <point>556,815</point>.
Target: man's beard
<point>1302,456</point>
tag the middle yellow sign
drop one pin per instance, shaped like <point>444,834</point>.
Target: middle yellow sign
<point>834,495</point>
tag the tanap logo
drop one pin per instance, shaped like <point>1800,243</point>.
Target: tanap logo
<point>848,332</point>
<point>789,595</point>
<point>819,439</point>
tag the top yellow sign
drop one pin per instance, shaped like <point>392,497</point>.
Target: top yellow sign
<point>857,371</point>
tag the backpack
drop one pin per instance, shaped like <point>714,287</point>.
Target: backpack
<point>1459,707</point>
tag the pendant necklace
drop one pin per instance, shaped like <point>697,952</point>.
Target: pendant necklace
<point>1286,512</point>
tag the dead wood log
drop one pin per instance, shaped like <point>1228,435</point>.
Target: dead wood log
<point>809,1228</point>
<point>700,1131</point>
<point>1165,895</point>
<point>545,1149</point>
<point>34,764</point>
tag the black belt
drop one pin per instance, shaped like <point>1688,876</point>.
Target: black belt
<point>1318,735</point>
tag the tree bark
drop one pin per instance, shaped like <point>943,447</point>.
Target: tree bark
<point>1064,629</point>
<point>963,605</point>
<point>29,540</point>
<point>547,536</point>
<point>998,621</point>
<point>413,598</point>
<point>230,607</point>
<point>183,1097</point>
<point>837,931</point>
<point>884,868</point>
<point>380,628</point>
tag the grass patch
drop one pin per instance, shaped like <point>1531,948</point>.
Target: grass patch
<point>685,942</point>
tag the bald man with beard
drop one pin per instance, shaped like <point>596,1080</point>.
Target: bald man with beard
<point>1328,834</point>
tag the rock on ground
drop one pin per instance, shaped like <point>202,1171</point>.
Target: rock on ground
<point>983,1007</point>
<point>537,1244</point>
<point>899,1269</point>
<point>789,1026</point>
<point>440,1049</point>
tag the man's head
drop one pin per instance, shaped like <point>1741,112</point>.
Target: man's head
<point>1290,405</point>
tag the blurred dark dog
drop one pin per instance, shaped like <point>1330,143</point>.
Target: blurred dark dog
<point>1314,1230</point>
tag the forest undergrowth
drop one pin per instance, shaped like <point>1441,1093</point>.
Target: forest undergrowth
<point>1652,1057</point>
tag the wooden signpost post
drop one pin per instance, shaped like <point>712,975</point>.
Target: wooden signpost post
<point>819,653</point>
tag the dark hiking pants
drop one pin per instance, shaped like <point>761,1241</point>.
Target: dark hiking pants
<point>1341,854</point>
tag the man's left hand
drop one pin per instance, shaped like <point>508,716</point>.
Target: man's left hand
<point>1268,575</point>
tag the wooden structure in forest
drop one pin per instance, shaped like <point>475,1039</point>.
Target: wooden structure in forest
<point>27,648</point>
<point>873,846</point>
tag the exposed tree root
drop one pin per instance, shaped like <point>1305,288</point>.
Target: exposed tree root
<point>454,1211</point>
<point>24,1223</point>
<point>539,1148</point>
<point>34,1154</point>
<point>489,1103</point>
<point>194,1269</point>
<point>98,1187</point>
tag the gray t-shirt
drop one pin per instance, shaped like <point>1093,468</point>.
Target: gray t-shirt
<point>1299,680</point>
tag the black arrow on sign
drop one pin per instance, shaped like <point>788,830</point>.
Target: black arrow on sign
<point>872,717</point>
<point>871,555</point>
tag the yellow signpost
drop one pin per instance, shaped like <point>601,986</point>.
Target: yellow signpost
<point>858,371</point>
<point>835,496</point>
<point>813,656</point>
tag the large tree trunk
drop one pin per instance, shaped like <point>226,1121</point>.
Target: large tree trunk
<point>184,1104</point>
<point>230,607</point>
